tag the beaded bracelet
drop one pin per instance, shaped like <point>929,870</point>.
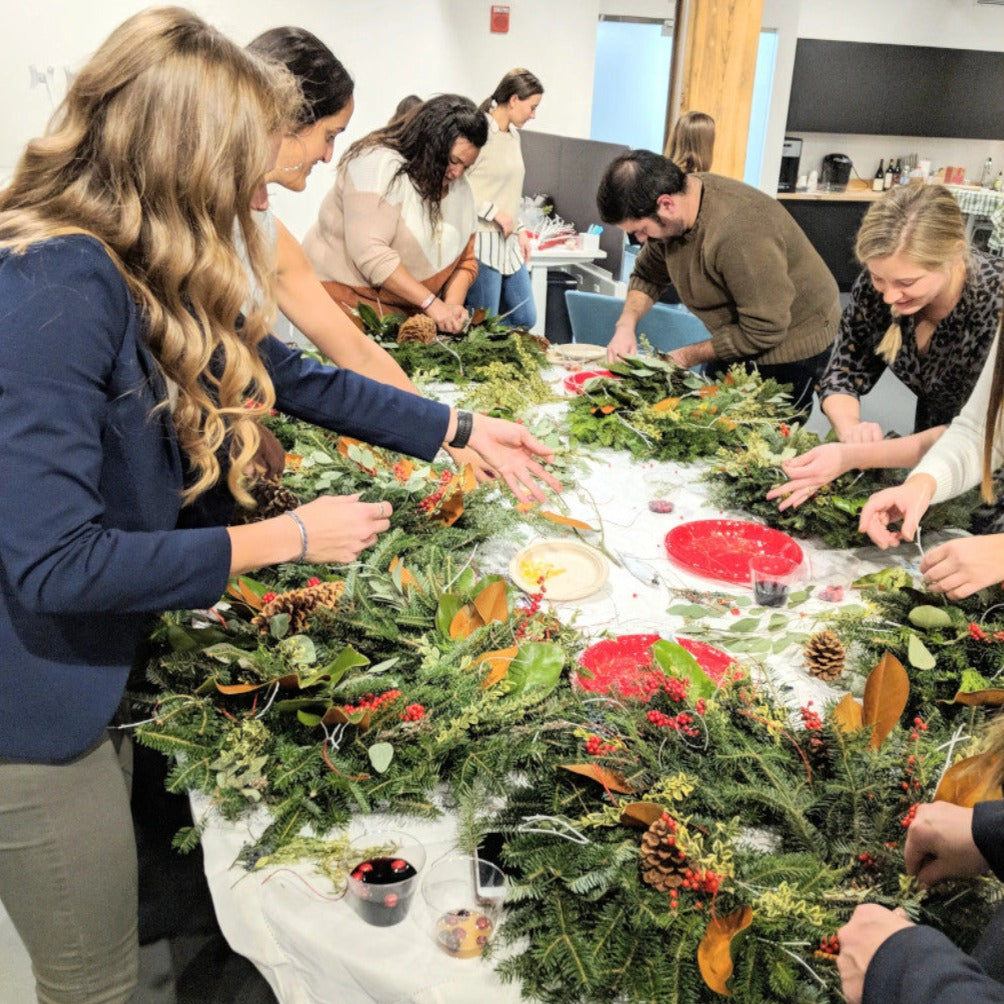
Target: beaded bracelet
<point>303,535</point>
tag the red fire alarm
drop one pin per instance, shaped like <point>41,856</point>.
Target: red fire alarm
<point>500,18</point>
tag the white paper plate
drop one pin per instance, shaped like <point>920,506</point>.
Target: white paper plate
<point>572,570</point>
<point>576,354</point>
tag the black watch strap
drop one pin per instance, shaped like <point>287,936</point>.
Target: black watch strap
<point>465,425</point>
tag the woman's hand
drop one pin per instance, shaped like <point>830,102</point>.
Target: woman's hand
<point>808,473</point>
<point>504,222</point>
<point>860,938</point>
<point>339,527</point>
<point>861,432</point>
<point>907,502</point>
<point>940,845</point>
<point>962,567</point>
<point>525,245</point>
<point>508,449</point>
<point>449,317</point>
<point>468,456</point>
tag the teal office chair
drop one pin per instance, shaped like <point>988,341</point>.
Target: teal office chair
<point>592,317</point>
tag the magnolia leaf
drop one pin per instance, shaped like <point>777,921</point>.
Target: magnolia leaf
<point>403,579</point>
<point>886,693</point>
<point>674,660</point>
<point>714,954</point>
<point>575,524</point>
<point>848,715</point>
<point>308,719</point>
<point>975,779</point>
<point>449,604</point>
<point>917,653</point>
<point>498,665</point>
<point>929,617</point>
<point>610,779</point>
<point>465,622</point>
<point>492,603</point>
<point>230,689</point>
<point>641,815</point>
<point>537,666</point>
<point>338,716</point>
<point>992,698</point>
<point>452,506</point>
<point>380,755</point>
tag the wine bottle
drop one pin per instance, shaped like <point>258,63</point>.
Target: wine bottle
<point>889,176</point>
<point>878,182</point>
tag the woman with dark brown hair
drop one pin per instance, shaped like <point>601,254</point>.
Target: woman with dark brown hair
<point>396,230</point>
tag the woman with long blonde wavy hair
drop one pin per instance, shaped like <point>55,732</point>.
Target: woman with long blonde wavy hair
<point>135,364</point>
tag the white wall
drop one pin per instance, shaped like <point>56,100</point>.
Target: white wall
<point>391,47</point>
<point>956,24</point>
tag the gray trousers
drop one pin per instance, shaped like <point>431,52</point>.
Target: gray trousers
<point>68,873</point>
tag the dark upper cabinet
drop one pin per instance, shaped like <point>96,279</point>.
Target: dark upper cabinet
<point>896,90</point>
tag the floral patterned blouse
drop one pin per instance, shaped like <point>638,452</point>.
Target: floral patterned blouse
<point>944,375</point>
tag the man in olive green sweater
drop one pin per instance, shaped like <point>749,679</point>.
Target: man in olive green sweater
<point>738,261</point>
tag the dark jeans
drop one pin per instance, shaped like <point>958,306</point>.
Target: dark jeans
<point>803,375</point>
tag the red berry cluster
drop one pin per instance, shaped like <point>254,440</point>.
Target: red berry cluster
<point>431,501</point>
<point>702,880</point>
<point>830,945</point>
<point>978,634</point>
<point>682,722</point>
<point>401,471</point>
<point>868,861</point>
<point>811,721</point>
<point>595,746</point>
<point>785,430</point>
<point>909,817</point>
<point>910,770</point>
<point>267,597</point>
<point>372,702</point>
<point>413,713</point>
<point>313,581</point>
<point>531,610</point>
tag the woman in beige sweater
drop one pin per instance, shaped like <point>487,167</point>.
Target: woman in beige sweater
<point>500,244</point>
<point>397,229</point>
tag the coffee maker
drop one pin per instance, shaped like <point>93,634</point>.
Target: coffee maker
<point>791,154</point>
<point>836,172</point>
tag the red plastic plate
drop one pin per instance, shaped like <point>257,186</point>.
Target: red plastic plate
<point>575,382</point>
<point>722,548</point>
<point>621,665</point>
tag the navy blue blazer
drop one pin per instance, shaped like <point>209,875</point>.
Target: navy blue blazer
<point>90,482</point>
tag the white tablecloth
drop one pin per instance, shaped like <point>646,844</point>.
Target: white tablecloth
<point>316,950</point>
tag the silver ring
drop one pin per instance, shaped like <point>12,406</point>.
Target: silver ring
<point>383,510</point>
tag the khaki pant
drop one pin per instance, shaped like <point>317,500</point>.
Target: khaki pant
<point>68,874</point>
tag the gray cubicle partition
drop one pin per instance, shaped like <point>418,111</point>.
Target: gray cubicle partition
<point>569,170</point>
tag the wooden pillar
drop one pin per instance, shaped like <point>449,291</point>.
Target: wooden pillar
<point>715,51</point>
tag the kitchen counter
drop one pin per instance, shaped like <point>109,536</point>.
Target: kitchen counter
<point>857,191</point>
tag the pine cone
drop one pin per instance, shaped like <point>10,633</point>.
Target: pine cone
<point>662,864</point>
<point>825,656</point>
<point>417,328</point>
<point>300,604</point>
<point>271,499</point>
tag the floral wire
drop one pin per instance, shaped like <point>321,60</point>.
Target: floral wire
<point>270,701</point>
<point>563,829</point>
<point>805,965</point>
<point>467,564</point>
<point>957,736</point>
